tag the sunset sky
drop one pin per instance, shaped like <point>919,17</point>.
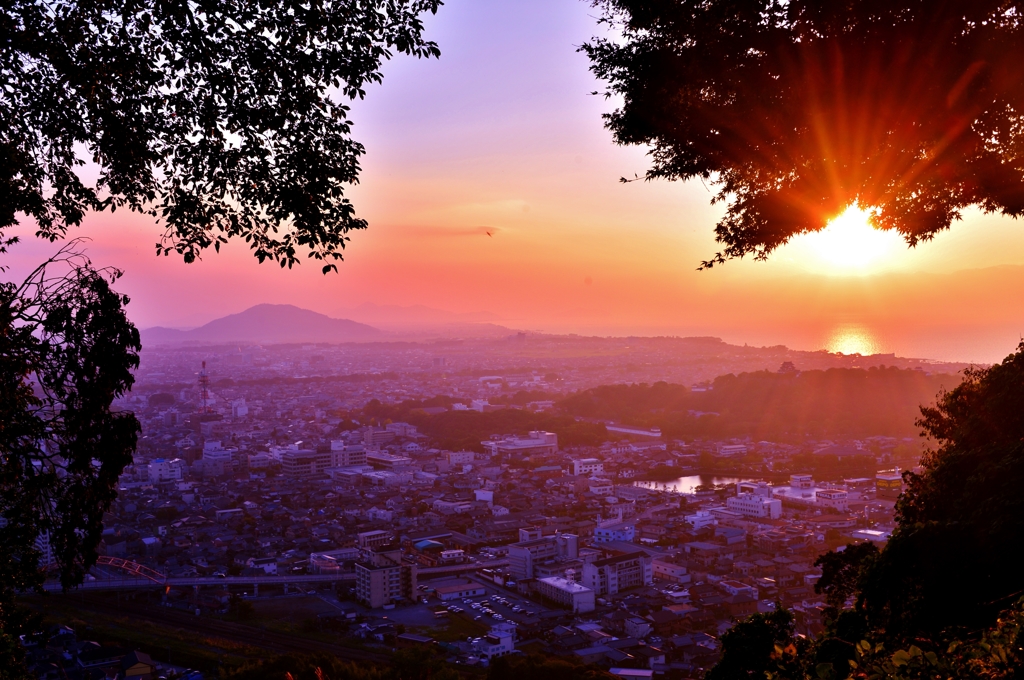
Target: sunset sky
<point>501,135</point>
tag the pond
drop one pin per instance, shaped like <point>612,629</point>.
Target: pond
<point>688,484</point>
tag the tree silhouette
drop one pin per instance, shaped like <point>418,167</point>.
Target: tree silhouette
<point>221,118</point>
<point>67,350</point>
<point>909,108</point>
<point>214,116</point>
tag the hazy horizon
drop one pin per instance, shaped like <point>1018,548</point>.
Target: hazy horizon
<point>491,187</point>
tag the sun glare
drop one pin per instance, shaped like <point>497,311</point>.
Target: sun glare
<point>852,339</point>
<point>850,243</point>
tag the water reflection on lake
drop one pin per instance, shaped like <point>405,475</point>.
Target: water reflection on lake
<point>688,484</point>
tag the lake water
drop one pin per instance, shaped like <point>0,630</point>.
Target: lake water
<point>688,484</point>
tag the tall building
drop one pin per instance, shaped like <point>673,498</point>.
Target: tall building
<point>523,557</point>
<point>46,556</point>
<point>216,459</point>
<point>615,574</point>
<point>345,455</point>
<point>382,578</point>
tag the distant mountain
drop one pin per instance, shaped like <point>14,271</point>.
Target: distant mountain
<point>270,324</point>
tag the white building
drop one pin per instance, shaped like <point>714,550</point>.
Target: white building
<point>239,409</point>
<point>345,455</point>
<point>500,641</point>
<point>801,481</point>
<point>163,470</point>
<point>42,543</point>
<point>567,593</point>
<point>729,450</point>
<point>587,466</point>
<point>756,488</point>
<point>537,443</point>
<point>459,457</point>
<point>837,499</point>
<point>700,519</point>
<point>751,505</point>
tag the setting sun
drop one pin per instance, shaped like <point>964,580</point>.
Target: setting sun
<point>849,242</point>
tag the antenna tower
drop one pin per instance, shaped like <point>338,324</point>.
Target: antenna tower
<point>204,390</point>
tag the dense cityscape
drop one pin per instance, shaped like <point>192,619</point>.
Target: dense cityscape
<point>264,488</point>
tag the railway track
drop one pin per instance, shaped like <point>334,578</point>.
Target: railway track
<point>235,632</point>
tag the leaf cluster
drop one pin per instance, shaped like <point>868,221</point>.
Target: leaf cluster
<point>215,116</point>
<point>797,109</point>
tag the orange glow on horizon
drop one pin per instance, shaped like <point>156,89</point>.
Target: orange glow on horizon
<point>853,339</point>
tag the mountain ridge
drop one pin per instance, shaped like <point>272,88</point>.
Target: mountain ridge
<point>266,323</point>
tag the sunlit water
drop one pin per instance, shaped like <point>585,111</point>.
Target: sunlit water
<point>688,484</point>
<point>982,345</point>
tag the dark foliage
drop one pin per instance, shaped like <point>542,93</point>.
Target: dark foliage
<point>67,350</point>
<point>852,402</point>
<point>841,572</point>
<point>943,598</point>
<point>406,664</point>
<point>760,644</point>
<point>537,667</point>
<point>215,117</point>
<point>464,430</point>
<point>798,109</point>
<point>962,519</point>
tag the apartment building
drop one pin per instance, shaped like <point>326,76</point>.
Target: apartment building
<point>615,574</point>
<point>382,578</point>
<point>587,466</point>
<point>523,557</point>
<point>755,505</point>
<point>566,593</point>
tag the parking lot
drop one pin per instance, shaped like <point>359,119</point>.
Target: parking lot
<point>497,606</point>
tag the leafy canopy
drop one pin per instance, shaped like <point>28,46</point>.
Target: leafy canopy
<point>213,115</point>
<point>796,109</point>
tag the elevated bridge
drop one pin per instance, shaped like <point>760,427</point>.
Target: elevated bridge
<point>133,576</point>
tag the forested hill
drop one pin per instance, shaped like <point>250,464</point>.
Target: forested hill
<point>764,405</point>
